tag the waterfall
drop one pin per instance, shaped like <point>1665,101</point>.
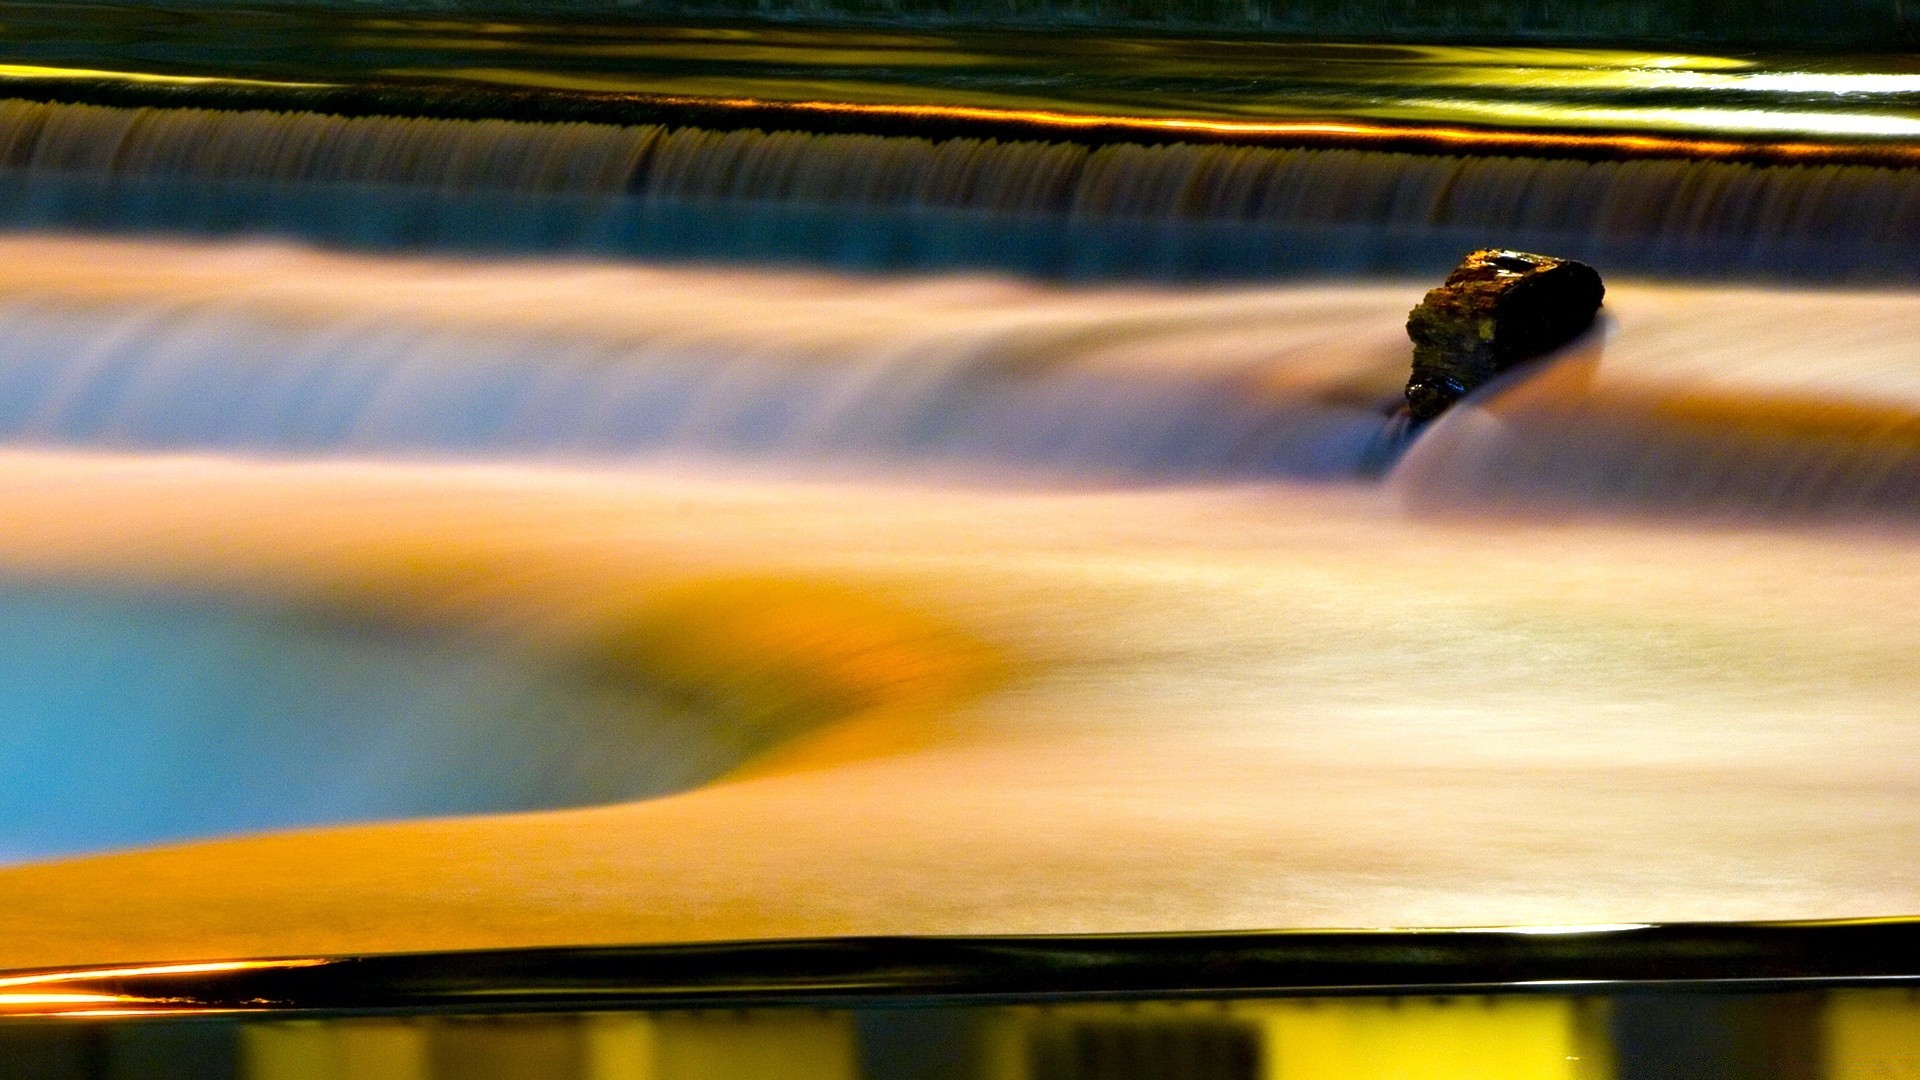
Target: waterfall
<point>275,350</point>
<point>1061,208</point>
<point>1692,397</point>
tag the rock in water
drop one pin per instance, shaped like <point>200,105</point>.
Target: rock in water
<point>1497,309</point>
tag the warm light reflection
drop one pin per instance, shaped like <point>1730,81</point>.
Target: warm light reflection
<point>87,974</point>
<point>1810,82</point>
<point>35,71</point>
<point>1509,58</point>
<point>1756,121</point>
<point>9,1001</point>
<point>87,1003</point>
<point>1356,132</point>
<point>1339,131</point>
<point>1622,129</point>
<point>1591,928</point>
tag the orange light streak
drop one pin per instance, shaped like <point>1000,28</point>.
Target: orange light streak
<point>83,1003</point>
<point>86,974</point>
<point>1888,148</point>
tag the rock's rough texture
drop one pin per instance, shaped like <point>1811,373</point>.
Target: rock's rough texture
<point>1497,309</point>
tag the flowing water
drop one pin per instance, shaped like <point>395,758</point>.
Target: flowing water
<point>619,645</point>
<point>590,461</point>
<point>1689,398</point>
<point>136,720</point>
<point>895,202</point>
<point>280,351</point>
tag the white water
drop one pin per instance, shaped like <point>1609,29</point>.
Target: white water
<point>275,350</point>
<point>1694,398</point>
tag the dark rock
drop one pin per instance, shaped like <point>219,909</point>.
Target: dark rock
<point>1497,309</point>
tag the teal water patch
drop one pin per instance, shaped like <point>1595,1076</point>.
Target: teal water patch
<point>129,720</point>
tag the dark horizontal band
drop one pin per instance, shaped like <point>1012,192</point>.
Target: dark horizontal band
<point>901,970</point>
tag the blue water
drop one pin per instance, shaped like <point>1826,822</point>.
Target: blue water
<point>376,217</point>
<point>131,720</point>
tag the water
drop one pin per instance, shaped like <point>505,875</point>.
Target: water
<point>507,658</point>
<point>1242,706</point>
<point>1690,399</point>
<point>135,717</point>
<point>1060,209</point>
<point>1694,402</point>
<point>274,350</point>
<point>1856,23</point>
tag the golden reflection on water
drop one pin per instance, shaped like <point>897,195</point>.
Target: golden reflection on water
<point>1529,99</point>
<point>1774,122</point>
<point>39,71</point>
<point>99,1003</point>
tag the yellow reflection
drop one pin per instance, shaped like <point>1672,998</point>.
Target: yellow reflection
<point>1354,1038</point>
<point>1335,131</point>
<point>1594,928</point>
<point>1755,121</point>
<point>1497,58</point>
<point>762,1044</point>
<point>1494,1038</point>
<point>1565,78</point>
<point>750,53</point>
<point>359,1049</point>
<point>35,71</point>
<point>1821,82</point>
<point>451,26</point>
<point>1872,1035</point>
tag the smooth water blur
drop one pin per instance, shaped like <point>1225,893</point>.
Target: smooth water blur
<point>1688,399</point>
<point>135,720</point>
<point>1257,705</point>
<point>893,202</point>
<point>280,351</point>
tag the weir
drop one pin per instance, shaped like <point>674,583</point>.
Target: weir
<point>1112,154</point>
<point>1067,209</point>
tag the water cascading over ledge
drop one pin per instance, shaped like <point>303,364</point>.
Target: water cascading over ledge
<point>901,202</point>
<point>1098,155</point>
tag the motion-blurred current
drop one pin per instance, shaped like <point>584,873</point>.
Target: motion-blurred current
<point>879,202</point>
